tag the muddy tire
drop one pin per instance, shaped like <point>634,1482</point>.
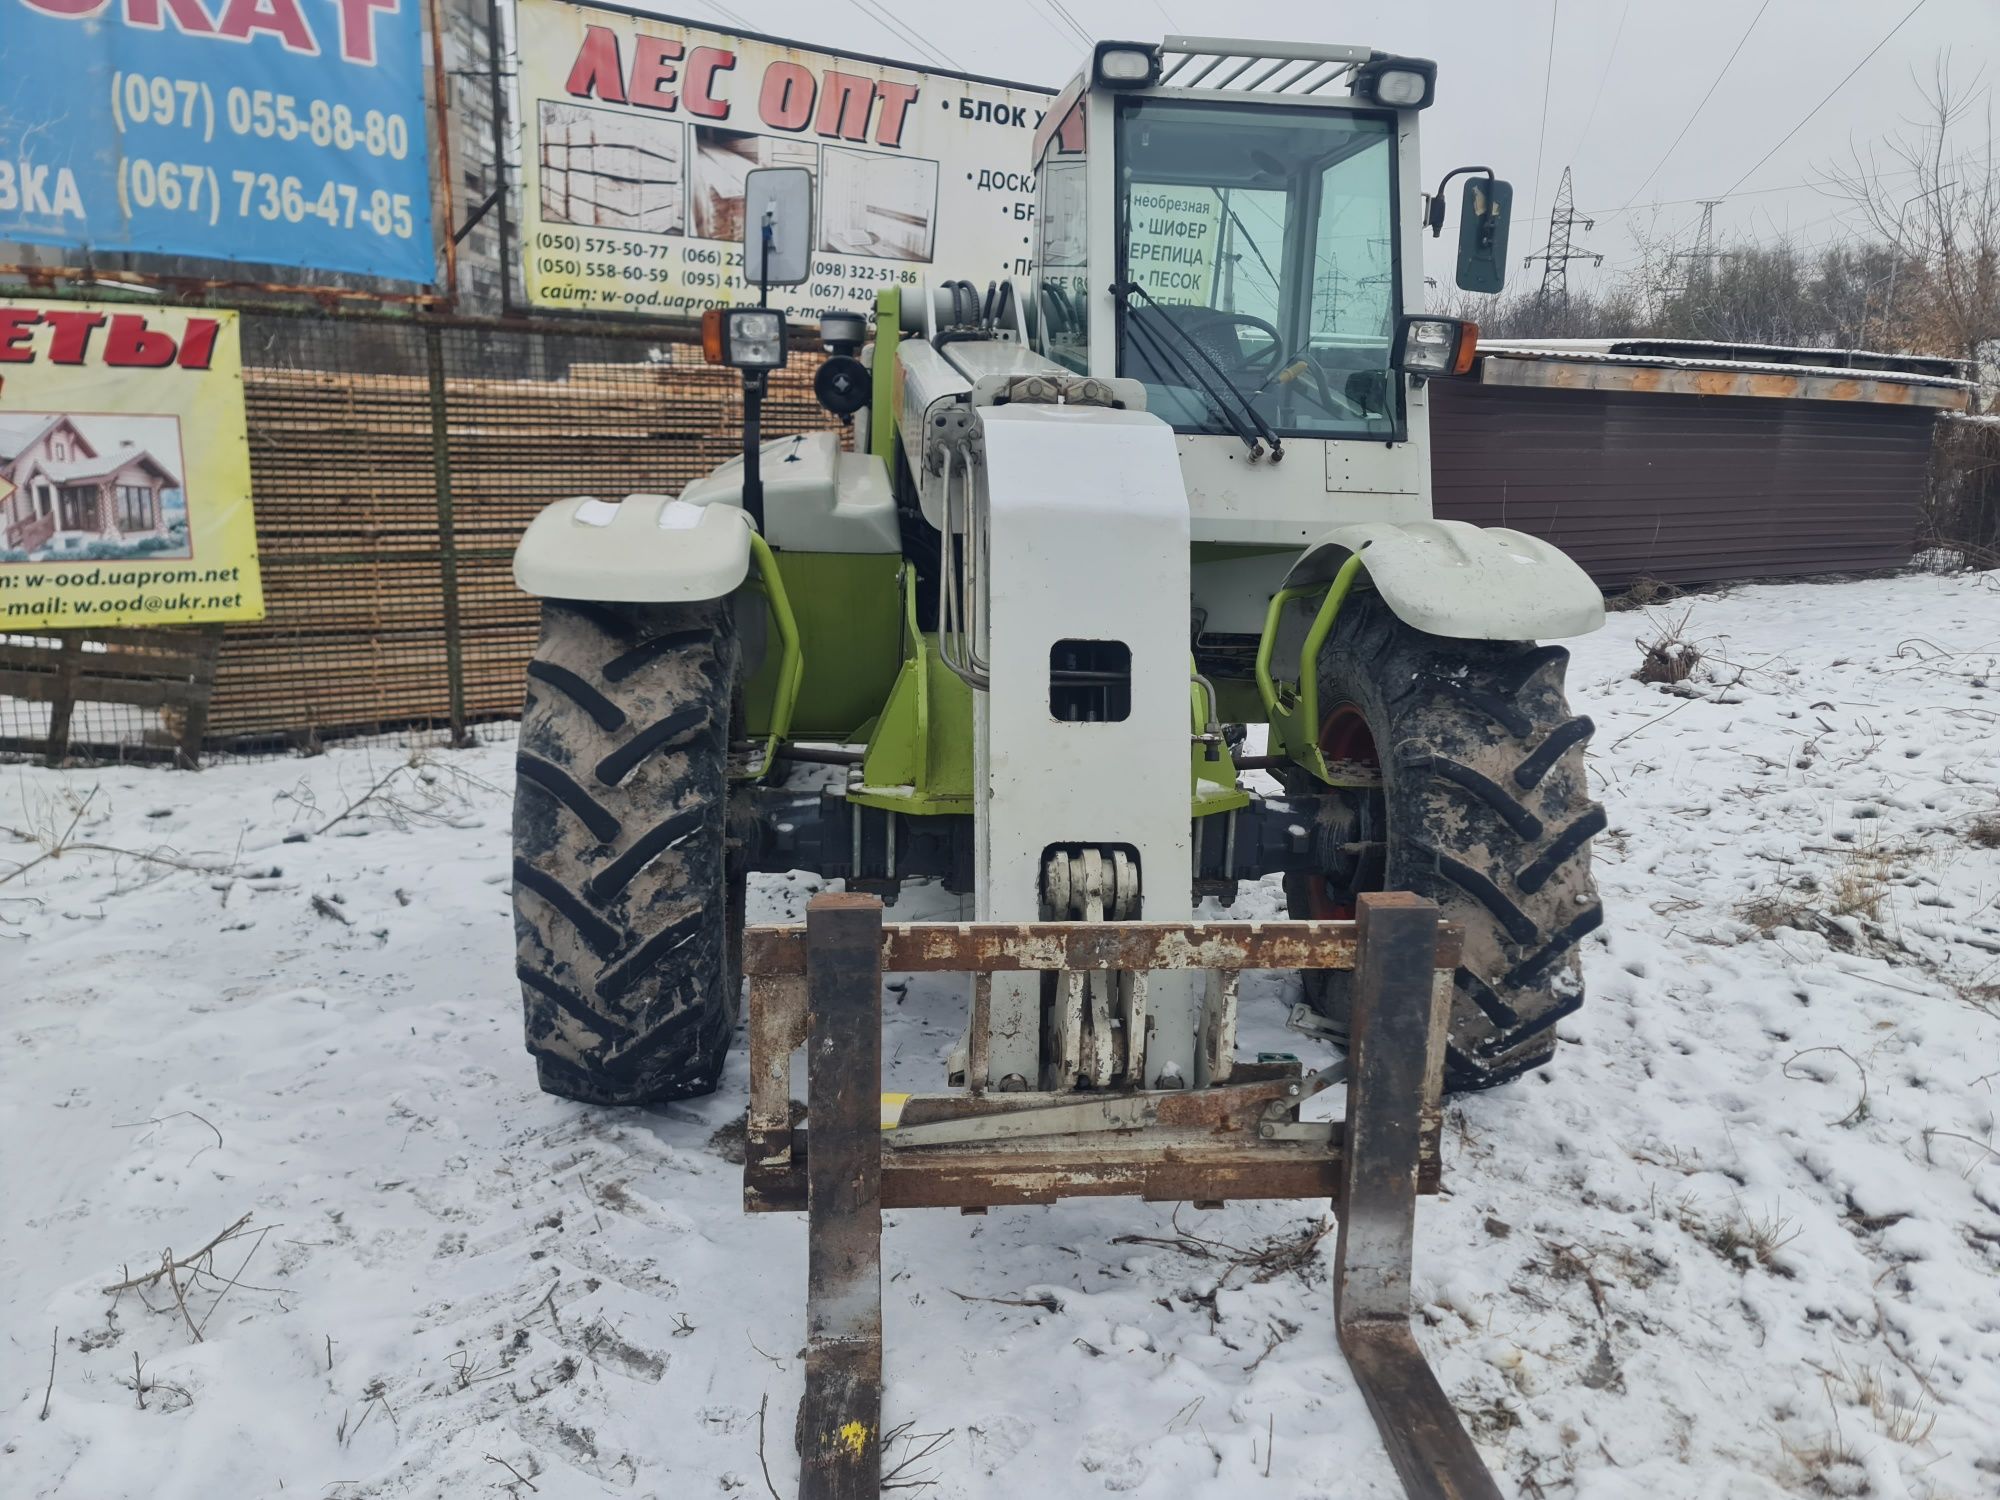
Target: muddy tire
<point>1484,809</point>
<point>626,914</point>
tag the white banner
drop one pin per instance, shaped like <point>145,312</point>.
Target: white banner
<point>638,131</point>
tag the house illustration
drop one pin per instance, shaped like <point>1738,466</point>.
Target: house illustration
<point>66,494</point>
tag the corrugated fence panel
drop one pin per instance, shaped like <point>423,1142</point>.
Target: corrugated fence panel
<point>1684,489</point>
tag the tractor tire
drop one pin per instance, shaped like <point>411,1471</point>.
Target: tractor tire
<point>1484,809</point>
<point>627,913</point>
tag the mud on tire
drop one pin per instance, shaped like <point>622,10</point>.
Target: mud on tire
<point>1485,809</point>
<point>623,902</point>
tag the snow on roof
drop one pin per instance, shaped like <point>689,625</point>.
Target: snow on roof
<point>1699,354</point>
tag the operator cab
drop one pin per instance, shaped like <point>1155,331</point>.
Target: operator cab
<point>1259,269</point>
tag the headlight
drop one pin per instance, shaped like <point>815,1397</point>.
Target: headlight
<point>1396,82</point>
<point>1126,65</point>
<point>1432,347</point>
<point>748,338</point>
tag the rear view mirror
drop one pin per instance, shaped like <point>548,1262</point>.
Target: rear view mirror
<point>1482,233</point>
<point>777,226</point>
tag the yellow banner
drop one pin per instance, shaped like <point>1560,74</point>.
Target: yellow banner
<point>124,468</point>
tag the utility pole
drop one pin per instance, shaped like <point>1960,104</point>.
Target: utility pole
<point>1703,254</point>
<point>1560,251</point>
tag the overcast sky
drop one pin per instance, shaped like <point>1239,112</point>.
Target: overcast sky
<point>1625,77</point>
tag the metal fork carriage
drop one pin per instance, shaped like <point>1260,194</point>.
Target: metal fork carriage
<point>820,986</point>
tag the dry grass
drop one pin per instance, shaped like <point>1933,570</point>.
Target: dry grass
<point>1280,1255</point>
<point>1858,888</point>
<point>1985,831</point>
<point>1881,1392</point>
<point>1743,1239</point>
<point>1642,593</point>
<point>1830,1466</point>
<point>1861,885</point>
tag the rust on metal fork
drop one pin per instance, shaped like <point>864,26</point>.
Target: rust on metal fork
<point>1395,1078</point>
<point>840,1419</point>
<point>820,986</point>
<point>989,947</point>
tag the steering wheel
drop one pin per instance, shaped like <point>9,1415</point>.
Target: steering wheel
<point>1328,400</point>
<point>1261,366</point>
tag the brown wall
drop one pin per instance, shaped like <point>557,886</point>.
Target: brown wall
<point>1685,489</point>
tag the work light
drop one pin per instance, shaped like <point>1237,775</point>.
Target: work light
<point>1396,82</point>
<point>1428,347</point>
<point>1126,65</point>
<point>747,338</point>
<point>842,332</point>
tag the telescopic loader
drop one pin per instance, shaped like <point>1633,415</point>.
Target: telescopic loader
<point>1088,528</point>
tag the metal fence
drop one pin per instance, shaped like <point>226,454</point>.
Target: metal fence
<point>393,463</point>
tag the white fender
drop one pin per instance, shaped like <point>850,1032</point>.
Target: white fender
<point>1467,582</point>
<point>645,549</point>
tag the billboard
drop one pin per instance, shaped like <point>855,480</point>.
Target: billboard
<point>282,132</point>
<point>124,468</point>
<point>638,131</point>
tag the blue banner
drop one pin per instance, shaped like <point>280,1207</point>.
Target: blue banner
<point>284,132</point>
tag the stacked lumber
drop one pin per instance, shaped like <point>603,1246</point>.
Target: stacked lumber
<point>345,478</point>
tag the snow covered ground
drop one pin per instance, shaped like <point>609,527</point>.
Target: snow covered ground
<point>1743,1241</point>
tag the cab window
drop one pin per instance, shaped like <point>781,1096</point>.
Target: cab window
<point>1062,331</point>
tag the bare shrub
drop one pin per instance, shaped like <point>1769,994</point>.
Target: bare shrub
<point>1668,656</point>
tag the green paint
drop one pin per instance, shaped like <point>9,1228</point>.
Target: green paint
<point>1293,707</point>
<point>919,756</point>
<point>1238,700</point>
<point>787,666</point>
<point>843,608</point>
<point>1215,552</point>
<point>1212,784</point>
<point>881,399</point>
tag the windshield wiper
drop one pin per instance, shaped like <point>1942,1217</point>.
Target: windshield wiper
<point>1123,290</point>
<point>1174,366</point>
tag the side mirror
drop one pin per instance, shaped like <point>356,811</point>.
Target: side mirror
<point>777,226</point>
<point>1482,233</point>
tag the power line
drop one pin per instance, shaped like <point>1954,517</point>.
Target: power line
<point>1082,32</point>
<point>1541,137</point>
<point>1829,95</point>
<point>1609,58</point>
<point>882,15</point>
<point>729,15</point>
<point>1787,187</point>
<point>1699,107</point>
<point>1059,19</point>
<point>1048,19</point>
